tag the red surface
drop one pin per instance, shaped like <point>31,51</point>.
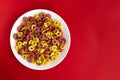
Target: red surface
<point>95,32</point>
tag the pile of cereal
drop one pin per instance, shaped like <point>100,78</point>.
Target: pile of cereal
<point>39,39</point>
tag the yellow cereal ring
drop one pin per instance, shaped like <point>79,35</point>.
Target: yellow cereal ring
<point>24,28</point>
<point>21,21</point>
<point>36,16</point>
<point>62,46</point>
<point>57,53</point>
<point>19,43</point>
<point>45,44</point>
<point>46,24</point>
<point>31,48</point>
<point>39,58</point>
<point>56,23</point>
<point>49,35</point>
<point>18,47</point>
<point>52,54</point>
<point>30,42</point>
<point>58,33</point>
<point>43,61</point>
<point>60,27</point>
<point>43,31</point>
<point>42,50</point>
<point>58,44</point>
<point>39,61</point>
<point>42,56</point>
<point>33,62</point>
<point>24,43</point>
<point>47,61</point>
<point>36,39</point>
<point>53,58</point>
<point>53,48</point>
<point>28,22</point>
<point>38,49</point>
<point>34,43</point>
<point>25,56</point>
<point>20,34</point>
<point>33,26</point>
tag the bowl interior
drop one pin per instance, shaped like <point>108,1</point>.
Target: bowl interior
<point>66,35</point>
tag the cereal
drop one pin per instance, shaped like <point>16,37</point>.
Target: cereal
<point>39,39</point>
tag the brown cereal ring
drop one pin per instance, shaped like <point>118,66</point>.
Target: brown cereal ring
<point>41,29</point>
<point>29,27</point>
<point>62,41</point>
<point>49,41</point>
<point>33,22</point>
<point>19,52</point>
<point>48,15</point>
<point>46,48</point>
<point>37,54</point>
<point>42,14</point>
<point>46,55</point>
<point>39,45</point>
<point>19,39</point>
<point>29,59</point>
<point>39,24</point>
<point>23,37</point>
<point>56,37</point>
<point>32,55</point>
<point>47,52</point>
<point>30,33</point>
<point>19,28</point>
<point>26,49</point>
<point>30,17</point>
<point>23,23</point>
<point>25,19</point>
<point>36,29</point>
<point>60,50</point>
<point>36,34</point>
<point>29,37</point>
<point>51,27</point>
<point>38,19</point>
<point>42,37</point>
<point>15,36</point>
<point>54,41</point>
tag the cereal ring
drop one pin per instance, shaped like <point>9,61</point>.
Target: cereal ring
<point>54,41</point>
<point>29,59</point>
<point>20,52</point>
<point>58,33</point>
<point>47,24</point>
<point>19,28</point>
<point>34,43</point>
<point>25,19</point>
<point>33,26</point>
<point>62,41</point>
<point>20,34</point>
<point>42,14</point>
<point>36,16</point>
<point>53,58</point>
<point>15,36</point>
<point>31,48</point>
<point>62,46</point>
<point>39,45</point>
<point>24,43</point>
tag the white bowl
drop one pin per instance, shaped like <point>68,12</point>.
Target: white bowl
<point>66,35</point>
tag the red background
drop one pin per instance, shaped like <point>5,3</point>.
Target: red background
<point>95,40</point>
